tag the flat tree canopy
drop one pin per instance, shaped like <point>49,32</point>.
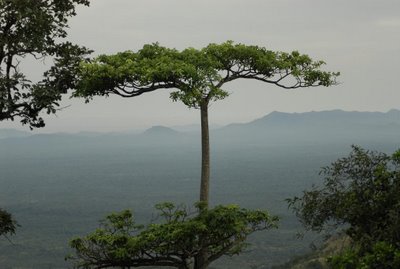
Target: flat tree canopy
<point>35,28</point>
<point>197,75</point>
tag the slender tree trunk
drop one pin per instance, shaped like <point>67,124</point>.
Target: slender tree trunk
<point>205,154</point>
<point>201,261</point>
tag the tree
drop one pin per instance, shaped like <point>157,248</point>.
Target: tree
<point>198,77</point>
<point>380,255</point>
<point>361,196</point>
<point>177,241</point>
<point>35,28</point>
<point>7,224</point>
<point>32,28</point>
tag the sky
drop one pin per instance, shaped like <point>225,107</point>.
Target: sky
<point>361,39</point>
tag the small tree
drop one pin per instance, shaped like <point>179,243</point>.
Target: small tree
<point>178,241</point>
<point>360,195</point>
<point>7,224</point>
<point>198,77</point>
<point>34,28</point>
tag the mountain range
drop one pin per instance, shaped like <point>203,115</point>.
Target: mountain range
<point>274,128</point>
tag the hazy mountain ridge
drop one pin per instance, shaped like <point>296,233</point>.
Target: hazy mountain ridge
<point>315,127</point>
<point>274,128</point>
<point>328,117</point>
<point>273,118</point>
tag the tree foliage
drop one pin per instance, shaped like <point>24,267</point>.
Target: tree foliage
<point>177,241</point>
<point>35,28</point>
<point>360,191</point>
<point>361,196</point>
<point>7,224</point>
<point>380,255</point>
<point>197,75</point>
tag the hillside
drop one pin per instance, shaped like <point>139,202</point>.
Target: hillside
<point>317,259</point>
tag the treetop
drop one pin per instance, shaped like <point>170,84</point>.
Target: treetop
<point>197,75</point>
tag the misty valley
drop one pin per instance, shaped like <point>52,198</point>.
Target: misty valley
<point>58,186</point>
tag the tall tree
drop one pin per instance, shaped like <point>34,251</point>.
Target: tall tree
<point>35,28</point>
<point>197,77</point>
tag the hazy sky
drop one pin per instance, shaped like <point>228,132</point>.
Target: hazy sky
<point>361,39</point>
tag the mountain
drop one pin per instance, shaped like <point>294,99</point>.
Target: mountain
<point>276,128</point>
<point>160,131</point>
<point>315,127</point>
<point>332,118</point>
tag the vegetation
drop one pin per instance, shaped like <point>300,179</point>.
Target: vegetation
<point>7,224</point>
<point>198,77</point>
<point>360,196</point>
<point>380,255</point>
<point>318,258</point>
<point>32,28</point>
<point>35,28</point>
<point>177,241</point>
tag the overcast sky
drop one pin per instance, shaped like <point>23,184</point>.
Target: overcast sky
<point>361,39</point>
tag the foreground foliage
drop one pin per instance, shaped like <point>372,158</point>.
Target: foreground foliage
<point>381,255</point>
<point>361,196</point>
<point>35,28</point>
<point>179,240</point>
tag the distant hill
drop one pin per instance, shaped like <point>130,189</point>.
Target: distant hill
<point>331,119</point>
<point>276,128</point>
<point>309,127</point>
<point>160,131</point>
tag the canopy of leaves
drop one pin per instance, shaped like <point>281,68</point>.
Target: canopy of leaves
<point>197,75</point>
<point>176,241</point>
<point>381,255</point>
<point>360,192</point>
<point>32,28</point>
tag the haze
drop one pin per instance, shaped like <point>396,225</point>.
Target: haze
<point>361,39</point>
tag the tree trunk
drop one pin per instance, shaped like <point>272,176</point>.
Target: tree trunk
<point>201,260</point>
<point>205,154</point>
<point>200,263</point>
